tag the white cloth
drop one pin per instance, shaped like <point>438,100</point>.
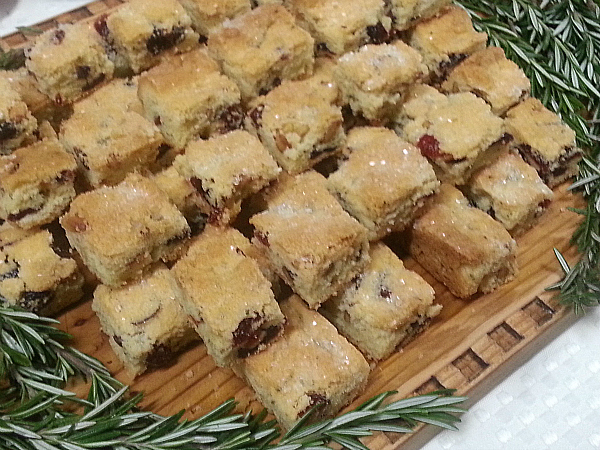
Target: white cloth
<point>551,402</point>
<point>23,13</point>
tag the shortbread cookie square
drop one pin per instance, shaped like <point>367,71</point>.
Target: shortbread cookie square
<point>69,61</point>
<point>374,79</point>
<point>406,12</point>
<point>312,243</point>
<point>144,320</point>
<point>339,27</point>
<point>225,170</point>
<point>445,40</point>
<point>463,247</point>
<point>109,138</point>
<point>187,96</point>
<point>510,191</point>
<point>383,181</point>
<point>34,277</point>
<point>458,133</point>
<point>299,123</point>
<point>310,365</point>
<point>227,297</point>
<point>16,122</point>
<point>36,184</point>
<point>209,15</point>
<point>544,141</point>
<point>119,231</point>
<point>491,76</point>
<point>139,32</point>
<point>386,306</point>
<point>261,48</point>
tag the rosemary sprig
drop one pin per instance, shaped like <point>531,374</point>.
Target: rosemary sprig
<point>33,358</point>
<point>116,423</point>
<point>557,44</point>
<point>36,363</point>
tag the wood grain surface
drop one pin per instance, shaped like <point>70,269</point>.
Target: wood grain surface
<point>470,346</point>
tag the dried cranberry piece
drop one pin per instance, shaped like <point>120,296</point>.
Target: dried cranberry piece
<point>8,130</point>
<point>231,118</point>
<point>248,340</point>
<point>377,33</point>
<point>245,335</point>
<point>161,40</point>
<point>83,72</point>
<point>101,27</point>
<point>58,37</point>
<point>430,148</point>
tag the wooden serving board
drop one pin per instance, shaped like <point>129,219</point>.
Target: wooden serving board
<point>470,346</point>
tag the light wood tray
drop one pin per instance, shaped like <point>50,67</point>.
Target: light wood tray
<point>470,347</point>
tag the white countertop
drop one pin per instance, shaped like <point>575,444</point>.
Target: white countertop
<point>551,402</point>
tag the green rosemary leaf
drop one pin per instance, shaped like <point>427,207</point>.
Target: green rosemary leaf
<point>351,444</point>
<point>350,417</point>
<point>30,31</point>
<point>12,59</point>
<point>432,420</point>
<point>563,262</point>
<point>388,428</point>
